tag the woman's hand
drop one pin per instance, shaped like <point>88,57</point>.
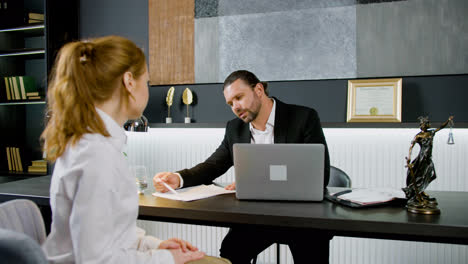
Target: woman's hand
<point>176,243</point>
<point>231,186</point>
<point>181,250</point>
<point>184,257</point>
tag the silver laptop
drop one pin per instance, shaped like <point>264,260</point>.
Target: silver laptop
<point>292,172</point>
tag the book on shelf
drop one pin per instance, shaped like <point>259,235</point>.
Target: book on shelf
<point>39,163</point>
<point>19,80</point>
<point>7,88</point>
<point>12,89</point>
<point>21,88</point>
<point>34,21</point>
<point>20,165</point>
<point>37,169</point>
<point>17,87</point>
<point>14,159</point>
<point>9,158</point>
<point>34,16</point>
<point>38,166</point>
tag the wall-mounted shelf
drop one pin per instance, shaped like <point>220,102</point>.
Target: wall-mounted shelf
<point>32,30</point>
<point>39,53</point>
<point>23,102</point>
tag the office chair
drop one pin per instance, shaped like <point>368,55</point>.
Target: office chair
<point>22,232</point>
<point>338,178</point>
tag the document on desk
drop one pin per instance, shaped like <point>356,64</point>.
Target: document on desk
<point>194,193</point>
<point>368,196</point>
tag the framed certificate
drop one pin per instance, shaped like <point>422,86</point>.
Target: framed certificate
<point>374,100</point>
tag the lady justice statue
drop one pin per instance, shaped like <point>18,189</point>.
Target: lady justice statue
<point>421,170</point>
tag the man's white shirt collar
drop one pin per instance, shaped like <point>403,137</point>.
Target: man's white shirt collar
<point>266,136</point>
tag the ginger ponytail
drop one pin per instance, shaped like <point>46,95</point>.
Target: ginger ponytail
<point>85,73</point>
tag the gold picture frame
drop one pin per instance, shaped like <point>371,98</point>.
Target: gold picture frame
<point>374,100</point>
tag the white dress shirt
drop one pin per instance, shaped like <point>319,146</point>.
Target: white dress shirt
<point>94,204</point>
<point>267,136</point>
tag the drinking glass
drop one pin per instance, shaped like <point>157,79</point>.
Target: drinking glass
<point>141,178</point>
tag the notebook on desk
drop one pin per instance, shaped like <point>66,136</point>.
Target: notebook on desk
<point>292,172</point>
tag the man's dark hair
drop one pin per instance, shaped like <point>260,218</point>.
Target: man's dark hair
<point>248,77</point>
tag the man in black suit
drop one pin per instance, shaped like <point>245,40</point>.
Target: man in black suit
<point>261,120</point>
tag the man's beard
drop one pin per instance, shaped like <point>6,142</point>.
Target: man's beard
<point>249,117</point>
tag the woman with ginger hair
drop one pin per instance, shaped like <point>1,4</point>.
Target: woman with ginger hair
<point>95,87</point>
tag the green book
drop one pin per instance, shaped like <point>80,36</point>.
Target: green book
<point>28,85</point>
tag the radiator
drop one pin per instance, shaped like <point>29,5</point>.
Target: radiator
<point>371,157</point>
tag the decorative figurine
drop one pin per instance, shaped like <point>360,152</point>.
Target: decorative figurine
<point>421,170</point>
<point>187,98</point>
<point>169,100</point>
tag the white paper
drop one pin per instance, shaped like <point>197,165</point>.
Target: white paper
<point>194,193</point>
<point>373,195</point>
<point>379,99</point>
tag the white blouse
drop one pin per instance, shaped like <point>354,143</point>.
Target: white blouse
<point>94,204</point>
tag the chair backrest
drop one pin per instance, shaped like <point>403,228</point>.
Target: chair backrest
<point>23,216</point>
<point>338,178</point>
<point>18,248</point>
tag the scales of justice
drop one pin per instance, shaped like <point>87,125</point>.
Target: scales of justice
<point>421,169</point>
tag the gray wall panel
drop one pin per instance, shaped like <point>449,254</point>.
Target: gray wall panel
<point>239,7</point>
<point>293,45</point>
<point>419,37</point>
<point>206,8</point>
<point>206,50</point>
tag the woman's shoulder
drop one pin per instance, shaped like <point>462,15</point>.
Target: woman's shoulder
<point>91,155</point>
<point>89,148</point>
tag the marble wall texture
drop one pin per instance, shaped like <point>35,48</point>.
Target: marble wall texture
<point>417,37</point>
<point>329,39</point>
<point>290,45</point>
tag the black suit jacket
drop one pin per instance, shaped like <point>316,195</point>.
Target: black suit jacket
<point>293,124</point>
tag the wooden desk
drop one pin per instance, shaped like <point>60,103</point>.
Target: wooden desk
<point>390,222</point>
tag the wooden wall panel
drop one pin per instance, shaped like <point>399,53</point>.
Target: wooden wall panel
<point>171,41</point>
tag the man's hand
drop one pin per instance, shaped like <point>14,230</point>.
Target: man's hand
<point>231,186</point>
<point>170,178</point>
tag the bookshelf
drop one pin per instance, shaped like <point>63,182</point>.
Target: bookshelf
<point>28,48</point>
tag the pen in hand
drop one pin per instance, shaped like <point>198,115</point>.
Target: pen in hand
<point>167,186</point>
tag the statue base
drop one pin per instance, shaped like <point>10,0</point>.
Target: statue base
<point>168,120</point>
<point>424,207</point>
<point>188,120</point>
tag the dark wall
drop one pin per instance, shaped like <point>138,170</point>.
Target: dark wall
<point>436,96</point>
